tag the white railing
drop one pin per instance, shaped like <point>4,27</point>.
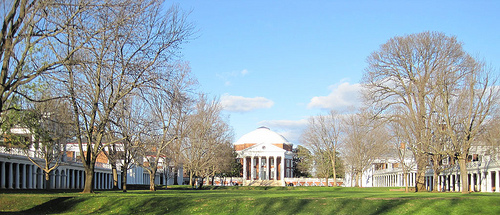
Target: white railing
<point>17,151</point>
<point>33,154</point>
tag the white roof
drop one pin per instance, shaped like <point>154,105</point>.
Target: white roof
<point>262,135</point>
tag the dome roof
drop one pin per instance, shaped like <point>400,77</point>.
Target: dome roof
<point>262,135</point>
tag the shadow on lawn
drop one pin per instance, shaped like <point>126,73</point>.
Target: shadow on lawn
<point>57,205</point>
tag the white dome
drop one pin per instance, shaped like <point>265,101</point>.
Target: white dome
<point>262,135</point>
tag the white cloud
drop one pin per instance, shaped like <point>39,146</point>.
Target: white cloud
<point>243,104</point>
<point>342,96</point>
<point>227,77</point>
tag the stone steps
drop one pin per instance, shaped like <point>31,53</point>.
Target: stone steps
<point>264,183</point>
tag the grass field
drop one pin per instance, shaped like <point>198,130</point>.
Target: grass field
<point>249,200</point>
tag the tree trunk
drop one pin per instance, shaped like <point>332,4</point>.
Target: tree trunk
<point>89,180</point>
<point>406,181</point>
<point>334,172</point>
<point>420,180</point>
<point>47,180</point>
<point>463,174</point>
<point>435,182</point>
<point>115,176</point>
<point>357,179</point>
<point>361,178</point>
<point>152,180</point>
<point>191,179</point>
<point>124,178</point>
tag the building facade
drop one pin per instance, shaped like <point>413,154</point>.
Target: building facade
<point>483,173</point>
<point>266,157</point>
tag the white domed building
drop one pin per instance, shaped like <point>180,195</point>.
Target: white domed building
<point>266,157</point>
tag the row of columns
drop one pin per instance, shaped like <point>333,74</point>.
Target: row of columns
<point>488,181</point>
<point>265,170</point>
<point>394,180</point>
<point>15,175</point>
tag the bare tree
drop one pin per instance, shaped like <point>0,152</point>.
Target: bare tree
<point>365,140</point>
<point>125,126</point>
<point>322,137</point>
<point>127,45</point>
<point>168,103</point>
<point>207,135</point>
<point>29,26</point>
<point>468,98</point>
<point>399,138</point>
<point>403,73</point>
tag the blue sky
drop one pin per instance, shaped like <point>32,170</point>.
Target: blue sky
<point>275,63</point>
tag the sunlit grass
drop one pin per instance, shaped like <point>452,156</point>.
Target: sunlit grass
<point>251,200</point>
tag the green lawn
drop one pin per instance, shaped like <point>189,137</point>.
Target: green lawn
<point>250,200</point>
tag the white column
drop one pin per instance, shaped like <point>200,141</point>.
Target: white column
<point>33,177</point>
<point>472,182</point>
<point>268,168</point>
<point>259,167</point>
<point>100,179</point>
<point>95,179</point>
<point>497,181</point>
<point>17,174</point>
<point>484,181</point>
<point>77,181</point>
<point>40,179</point>
<point>244,168</point>
<point>10,182</point>
<point>2,175</point>
<point>29,177</point>
<point>282,167</point>
<point>73,179</point>
<point>275,160</point>
<point>252,168</point>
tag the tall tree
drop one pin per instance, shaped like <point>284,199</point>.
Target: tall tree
<point>206,136</point>
<point>403,75</point>
<point>365,140</point>
<point>29,27</point>
<point>322,137</point>
<point>468,99</point>
<point>127,126</point>
<point>168,102</point>
<point>127,45</point>
<point>398,144</point>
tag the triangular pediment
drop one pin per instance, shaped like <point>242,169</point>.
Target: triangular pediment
<point>263,147</point>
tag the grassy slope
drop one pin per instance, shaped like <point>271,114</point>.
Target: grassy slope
<point>251,200</point>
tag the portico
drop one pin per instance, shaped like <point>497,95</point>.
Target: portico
<point>266,157</point>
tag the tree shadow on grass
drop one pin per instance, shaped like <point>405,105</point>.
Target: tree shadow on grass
<point>57,205</point>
